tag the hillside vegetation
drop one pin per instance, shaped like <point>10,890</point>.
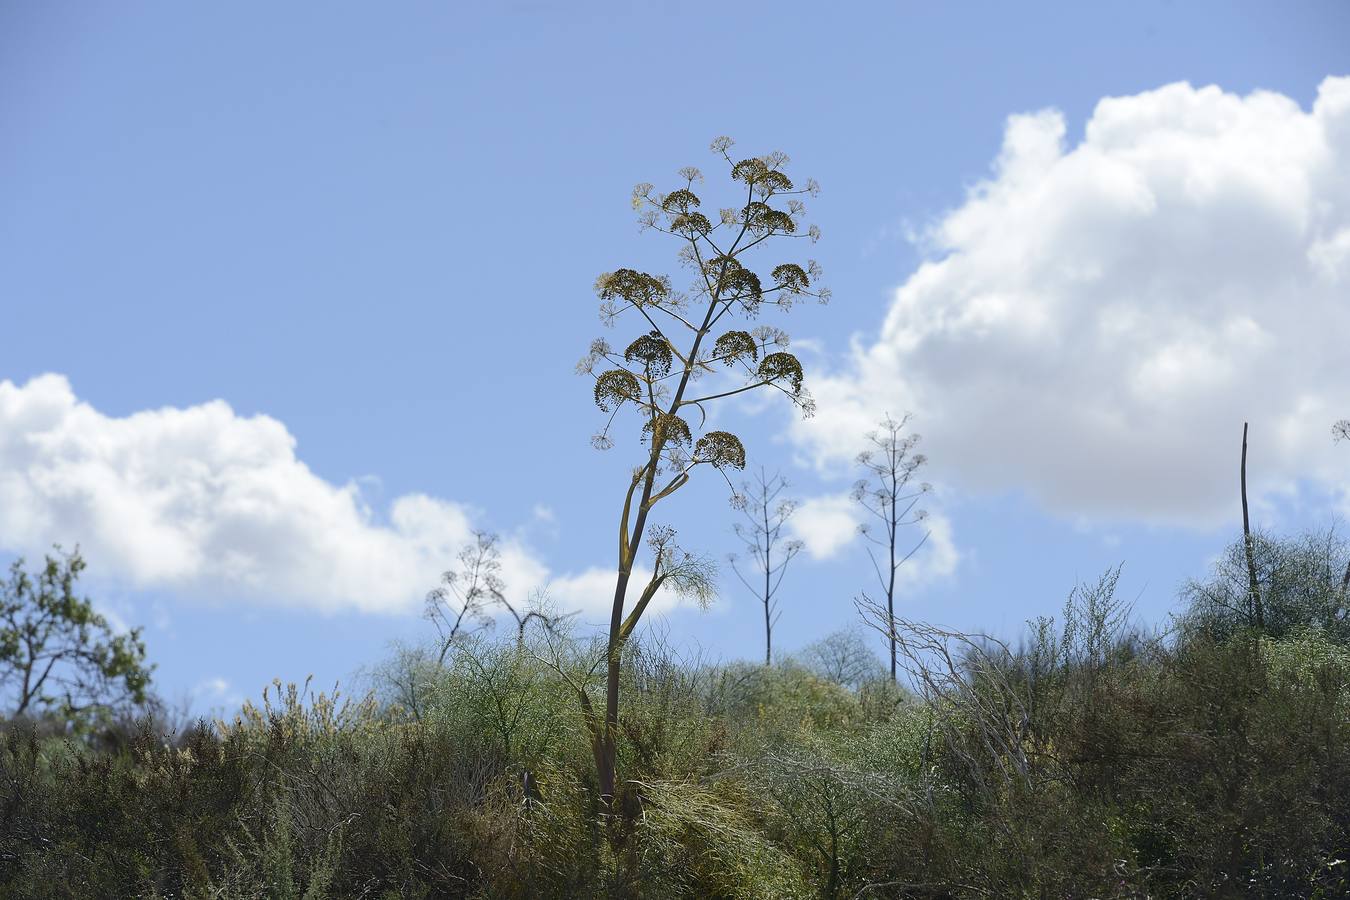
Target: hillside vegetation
<point>1092,759</point>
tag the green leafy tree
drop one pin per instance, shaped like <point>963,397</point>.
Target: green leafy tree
<point>688,337</point>
<point>57,656</point>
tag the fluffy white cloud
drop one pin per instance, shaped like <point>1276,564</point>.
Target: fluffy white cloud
<point>1096,321</point>
<point>825,524</point>
<point>828,523</point>
<point>205,502</point>
<point>208,502</point>
<point>936,559</point>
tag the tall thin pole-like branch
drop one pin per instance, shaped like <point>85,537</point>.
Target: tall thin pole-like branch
<point>1341,432</point>
<point>1249,544</point>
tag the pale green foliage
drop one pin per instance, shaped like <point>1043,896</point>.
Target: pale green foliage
<point>1301,580</point>
<point>1308,655</point>
<point>710,837</point>
<point>684,573</point>
<point>498,694</point>
<point>299,716</point>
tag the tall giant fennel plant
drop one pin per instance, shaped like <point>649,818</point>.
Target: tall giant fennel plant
<point>693,350</point>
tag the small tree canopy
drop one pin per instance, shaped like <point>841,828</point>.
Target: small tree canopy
<point>60,658</point>
<point>1301,579</point>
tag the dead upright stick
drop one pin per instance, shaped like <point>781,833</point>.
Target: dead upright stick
<point>1247,541</point>
<point>1341,432</point>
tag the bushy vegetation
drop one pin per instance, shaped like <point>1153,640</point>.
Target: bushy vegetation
<point>1092,760</point>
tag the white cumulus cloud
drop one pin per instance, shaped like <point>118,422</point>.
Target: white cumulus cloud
<point>209,502</point>
<point>828,524</point>
<point>205,502</point>
<point>825,524</point>
<point>1098,318</point>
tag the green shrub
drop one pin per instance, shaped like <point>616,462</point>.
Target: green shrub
<point>1093,760</point>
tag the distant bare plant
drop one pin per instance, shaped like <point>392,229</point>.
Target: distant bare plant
<point>769,553</point>
<point>466,598</point>
<point>887,497</point>
<point>461,603</point>
<point>842,657</point>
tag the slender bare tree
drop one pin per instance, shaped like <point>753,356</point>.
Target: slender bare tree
<point>655,374</point>
<point>887,495</point>
<point>769,552</point>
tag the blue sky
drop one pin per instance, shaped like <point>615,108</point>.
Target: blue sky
<point>1082,242</point>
